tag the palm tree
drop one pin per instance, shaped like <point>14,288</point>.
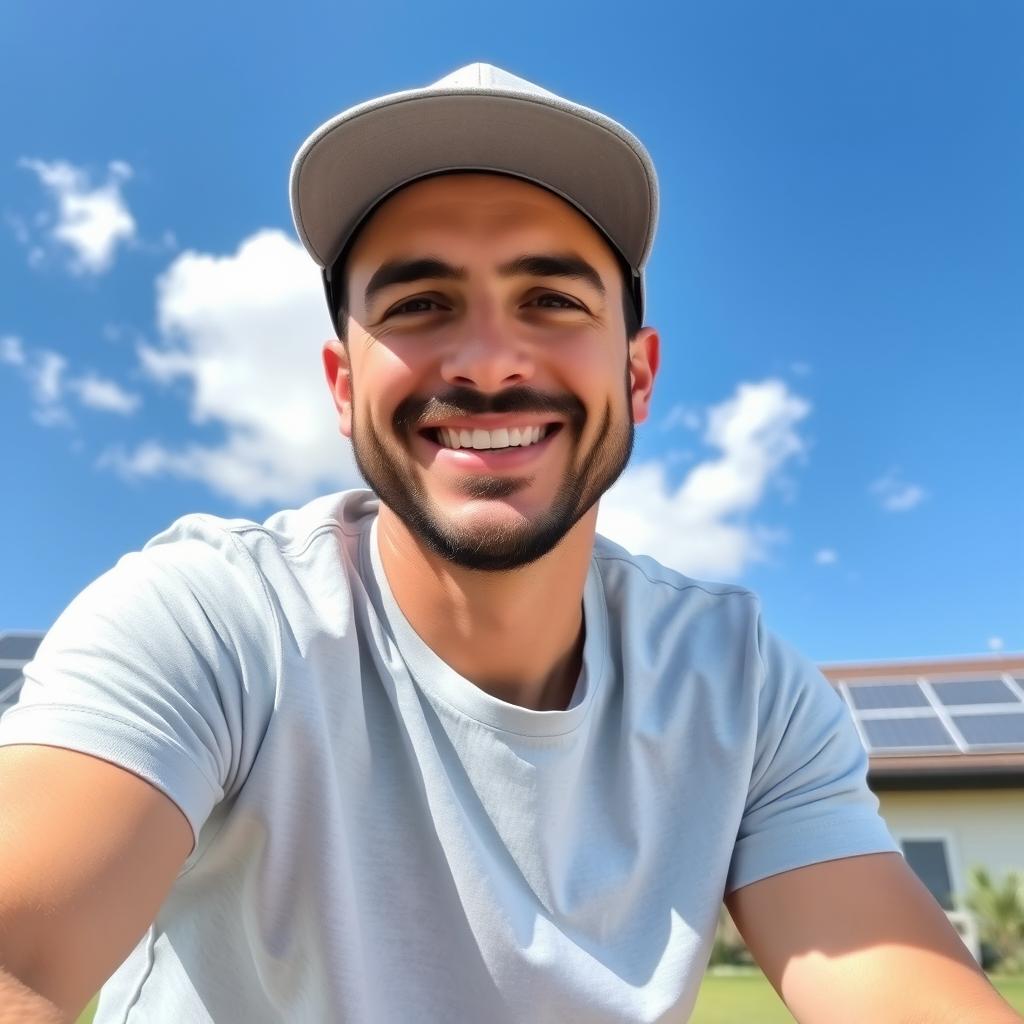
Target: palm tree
<point>1000,911</point>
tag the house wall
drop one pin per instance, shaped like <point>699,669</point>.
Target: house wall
<point>983,827</point>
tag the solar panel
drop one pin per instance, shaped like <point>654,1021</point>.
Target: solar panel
<point>906,734</point>
<point>868,697</point>
<point>19,646</point>
<point>989,730</point>
<point>981,691</point>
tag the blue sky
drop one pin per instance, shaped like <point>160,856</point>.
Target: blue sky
<point>838,279</point>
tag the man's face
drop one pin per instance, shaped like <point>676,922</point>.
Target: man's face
<point>483,311</point>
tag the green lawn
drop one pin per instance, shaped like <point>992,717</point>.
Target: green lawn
<point>739,998</point>
<point>747,998</point>
<point>1012,990</point>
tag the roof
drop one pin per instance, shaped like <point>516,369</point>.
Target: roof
<point>17,648</point>
<point>929,723</point>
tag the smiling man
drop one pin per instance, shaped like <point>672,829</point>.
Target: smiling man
<point>511,378</point>
<point>435,751</point>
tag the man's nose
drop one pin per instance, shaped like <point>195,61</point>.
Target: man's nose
<point>487,357</point>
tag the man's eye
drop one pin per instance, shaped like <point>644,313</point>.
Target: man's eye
<point>409,306</point>
<point>565,303</point>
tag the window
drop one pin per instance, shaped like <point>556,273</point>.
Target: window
<point>929,861</point>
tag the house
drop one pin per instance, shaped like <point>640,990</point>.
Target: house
<point>945,743</point>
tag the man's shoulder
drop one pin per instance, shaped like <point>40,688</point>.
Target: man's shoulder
<point>665,617</point>
<point>199,536</point>
<point>642,573</point>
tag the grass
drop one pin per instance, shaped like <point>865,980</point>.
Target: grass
<point>741,996</point>
<point>1011,989</point>
<point>746,997</point>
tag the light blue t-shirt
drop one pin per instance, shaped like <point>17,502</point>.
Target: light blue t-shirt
<point>378,840</point>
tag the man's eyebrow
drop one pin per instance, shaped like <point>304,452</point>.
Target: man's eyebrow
<point>562,265</point>
<point>567,265</point>
<point>407,271</point>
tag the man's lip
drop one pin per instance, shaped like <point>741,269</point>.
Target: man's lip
<point>493,421</point>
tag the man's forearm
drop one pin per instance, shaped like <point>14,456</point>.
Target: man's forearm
<point>20,1005</point>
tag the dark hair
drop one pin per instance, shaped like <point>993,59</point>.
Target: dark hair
<point>337,291</point>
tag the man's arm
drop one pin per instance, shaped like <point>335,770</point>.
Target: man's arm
<point>861,939</point>
<point>88,853</point>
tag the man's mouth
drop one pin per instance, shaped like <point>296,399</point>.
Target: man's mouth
<point>489,440</point>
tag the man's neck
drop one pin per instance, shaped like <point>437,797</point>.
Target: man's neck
<point>517,635</point>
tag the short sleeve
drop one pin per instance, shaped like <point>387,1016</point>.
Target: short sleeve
<point>808,799</point>
<point>163,666</point>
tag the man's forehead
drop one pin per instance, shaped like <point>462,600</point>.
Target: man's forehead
<point>479,204</point>
<point>454,189</point>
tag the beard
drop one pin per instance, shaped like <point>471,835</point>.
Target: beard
<point>388,468</point>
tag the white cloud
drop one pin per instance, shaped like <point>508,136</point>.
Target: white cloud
<point>45,372</point>
<point>995,643</point>
<point>244,331</point>
<point>105,395</point>
<point>700,527</point>
<point>45,375</point>
<point>895,494</point>
<point>682,415</point>
<point>12,351</point>
<point>826,556</point>
<point>90,221</point>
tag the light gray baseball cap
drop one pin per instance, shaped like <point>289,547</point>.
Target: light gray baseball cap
<point>478,118</point>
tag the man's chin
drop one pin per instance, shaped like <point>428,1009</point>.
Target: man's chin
<point>469,511</point>
<point>489,534</point>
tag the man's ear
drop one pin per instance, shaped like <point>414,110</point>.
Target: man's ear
<point>644,360</point>
<point>339,380</point>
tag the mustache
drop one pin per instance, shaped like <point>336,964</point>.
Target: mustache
<point>417,411</point>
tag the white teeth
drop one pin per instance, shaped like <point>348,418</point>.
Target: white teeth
<point>503,437</point>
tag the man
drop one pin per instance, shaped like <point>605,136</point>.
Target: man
<point>449,756</point>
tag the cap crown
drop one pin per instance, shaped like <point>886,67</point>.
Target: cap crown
<point>477,118</point>
<point>487,76</point>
